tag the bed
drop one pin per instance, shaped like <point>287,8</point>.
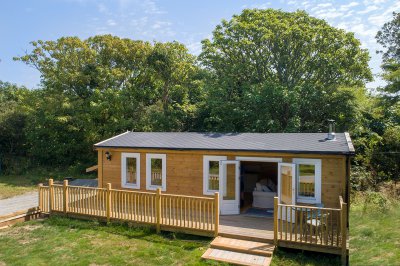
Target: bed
<point>263,194</point>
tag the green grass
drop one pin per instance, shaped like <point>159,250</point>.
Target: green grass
<point>13,185</point>
<point>63,241</point>
<point>375,231</point>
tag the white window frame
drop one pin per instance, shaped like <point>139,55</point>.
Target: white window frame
<point>206,171</point>
<point>124,182</point>
<point>163,157</point>
<point>318,176</point>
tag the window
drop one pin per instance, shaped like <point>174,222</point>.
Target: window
<point>130,167</point>
<point>211,174</point>
<point>308,180</point>
<point>156,168</point>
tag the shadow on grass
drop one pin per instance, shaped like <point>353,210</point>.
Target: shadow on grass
<point>131,231</point>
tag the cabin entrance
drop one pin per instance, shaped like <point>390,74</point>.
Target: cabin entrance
<point>258,187</point>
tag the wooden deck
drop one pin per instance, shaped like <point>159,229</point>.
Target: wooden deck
<point>248,228</point>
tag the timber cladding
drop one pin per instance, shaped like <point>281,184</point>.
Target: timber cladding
<point>185,170</point>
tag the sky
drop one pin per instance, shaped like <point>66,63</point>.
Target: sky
<point>185,21</point>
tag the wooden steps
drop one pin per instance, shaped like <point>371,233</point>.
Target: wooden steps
<point>246,237</point>
<point>236,258</point>
<point>239,251</point>
<point>243,246</point>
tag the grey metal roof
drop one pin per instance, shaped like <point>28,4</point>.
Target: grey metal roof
<point>261,142</point>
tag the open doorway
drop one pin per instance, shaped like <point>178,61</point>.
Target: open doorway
<point>258,186</point>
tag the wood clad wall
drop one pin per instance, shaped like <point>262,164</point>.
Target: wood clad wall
<point>185,170</point>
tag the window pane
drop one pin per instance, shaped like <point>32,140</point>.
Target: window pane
<point>131,170</point>
<point>213,175</point>
<point>156,172</point>
<point>306,180</point>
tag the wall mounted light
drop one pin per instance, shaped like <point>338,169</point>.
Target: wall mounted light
<point>108,155</point>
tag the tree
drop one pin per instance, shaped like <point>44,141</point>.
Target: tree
<point>281,71</point>
<point>12,127</point>
<point>389,38</point>
<point>95,88</point>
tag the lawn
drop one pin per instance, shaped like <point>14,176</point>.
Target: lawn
<point>62,241</point>
<point>375,230</point>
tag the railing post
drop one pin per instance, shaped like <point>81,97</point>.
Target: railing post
<point>158,209</point>
<point>108,203</point>
<point>275,221</point>
<point>51,194</point>
<point>65,196</point>
<point>40,185</point>
<point>216,204</point>
<point>343,229</point>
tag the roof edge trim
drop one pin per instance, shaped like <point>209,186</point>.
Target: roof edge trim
<point>349,143</point>
<point>235,150</point>
<point>111,138</point>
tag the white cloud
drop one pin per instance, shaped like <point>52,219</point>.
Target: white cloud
<point>348,6</point>
<point>111,22</point>
<point>368,9</point>
<point>323,5</point>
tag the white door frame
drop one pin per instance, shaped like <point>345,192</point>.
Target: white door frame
<point>229,206</point>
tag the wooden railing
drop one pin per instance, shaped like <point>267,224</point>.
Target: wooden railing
<point>320,227</point>
<point>213,181</point>
<point>165,211</point>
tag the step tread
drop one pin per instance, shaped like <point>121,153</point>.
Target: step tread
<point>236,257</point>
<point>244,246</point>
<point>246,237</point>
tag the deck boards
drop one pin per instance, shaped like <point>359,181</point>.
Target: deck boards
<point>245,227</point>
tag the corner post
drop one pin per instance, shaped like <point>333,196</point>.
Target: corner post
<point>158,209</point>
<point>343,229</point>
<point>216,204</point>
<point>275,221</point>
<point>108,202</point>
<point>40,185</point>
<point>65,197</point>
<point>51,194</point>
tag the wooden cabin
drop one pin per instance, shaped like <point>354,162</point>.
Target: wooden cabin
<point>251,191</point>
<point>247,169</point>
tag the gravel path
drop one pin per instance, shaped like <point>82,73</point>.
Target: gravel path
<point>18,203</point>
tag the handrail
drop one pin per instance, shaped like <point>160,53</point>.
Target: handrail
<point>309,207</point>
<point>200,215</point>
<point>310,225</point>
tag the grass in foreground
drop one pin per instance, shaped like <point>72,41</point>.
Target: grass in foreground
<point>375,230</point>
<point>63,241</point>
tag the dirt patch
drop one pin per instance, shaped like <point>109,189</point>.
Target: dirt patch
<point>19,230</point>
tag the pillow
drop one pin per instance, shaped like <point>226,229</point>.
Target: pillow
<point>271,185</point>
<point>263,181</point>
<point>258,187</point>
<point>265,188</point>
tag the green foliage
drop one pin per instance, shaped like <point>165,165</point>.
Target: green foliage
<point>278,71</point>
<point>262,71</point>
<point>96,88</point>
